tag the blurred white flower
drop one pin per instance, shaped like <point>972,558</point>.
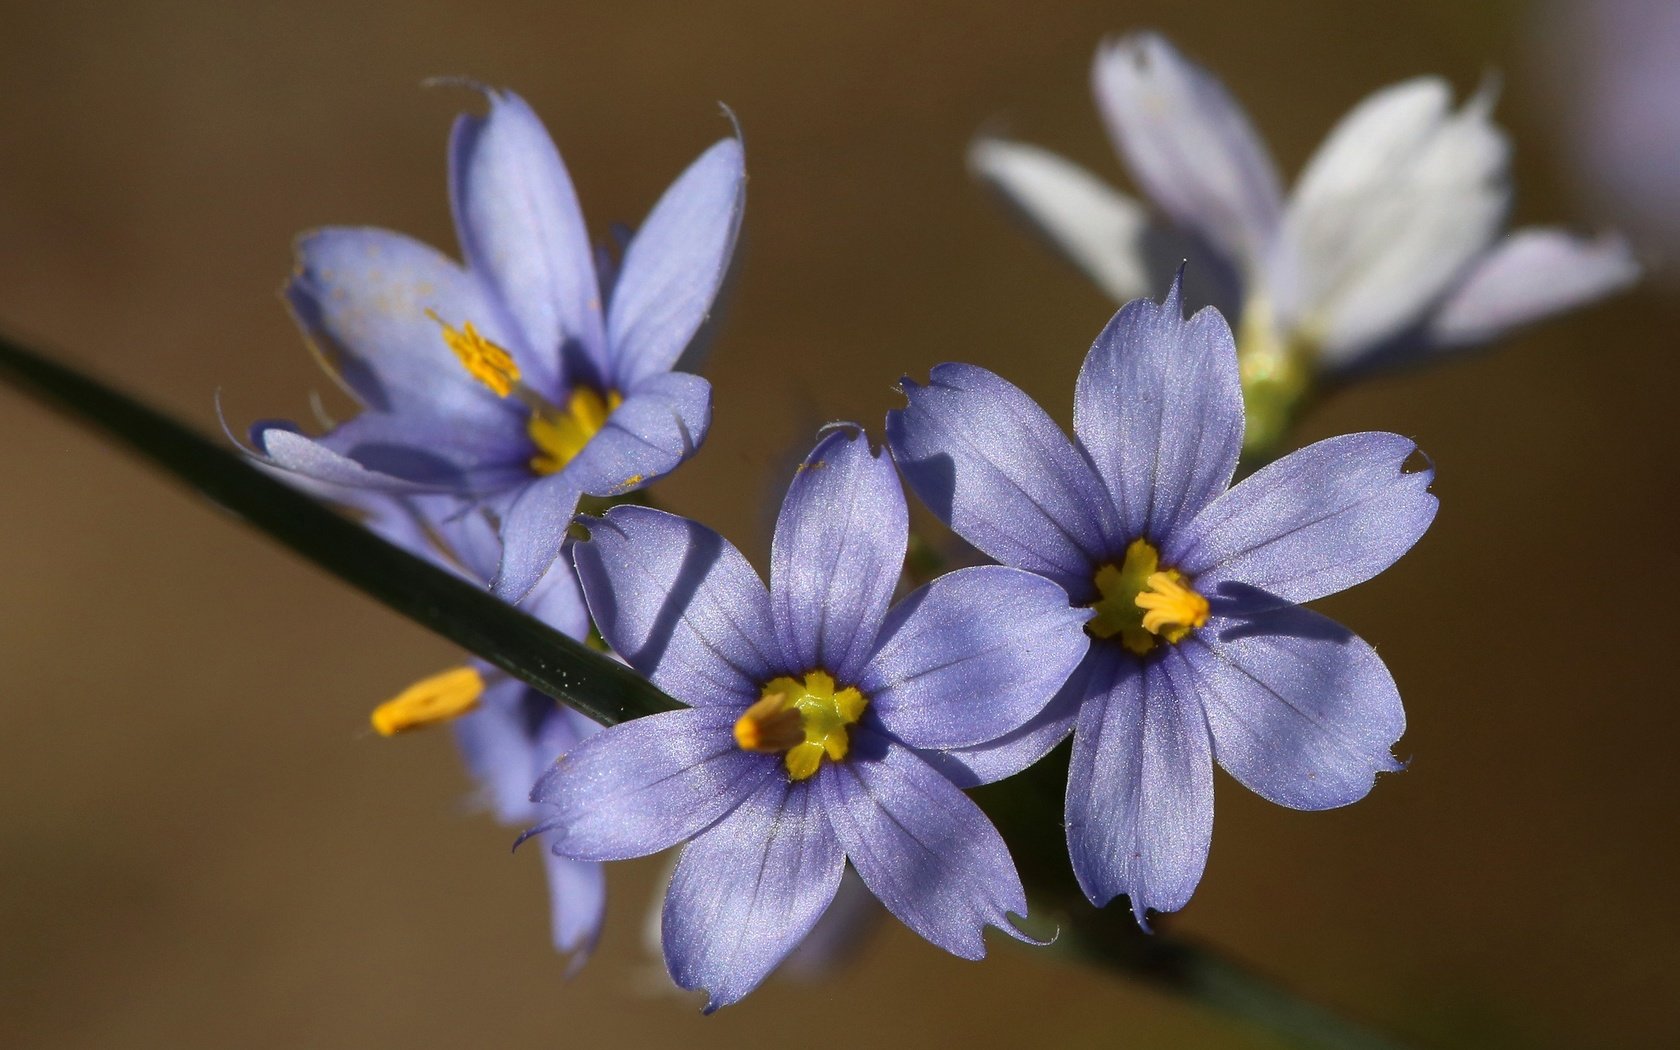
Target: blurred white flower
<point>1389,250</point>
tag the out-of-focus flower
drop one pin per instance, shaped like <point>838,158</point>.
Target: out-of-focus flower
<point>1200,652</point>
<point>1388,250</point>
<point>508,733</point>
<point>506,380</point>
<point>815,711</point>
<point>1611,70</point>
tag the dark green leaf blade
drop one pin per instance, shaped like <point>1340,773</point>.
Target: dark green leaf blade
<point>470,617</point>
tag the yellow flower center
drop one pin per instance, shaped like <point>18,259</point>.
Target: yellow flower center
<point>1276,372</point>
<point>559,433</point>
<point>429,701</point>
<point>560,436</point>
<point>1143,603</point>
<point>802,721</point>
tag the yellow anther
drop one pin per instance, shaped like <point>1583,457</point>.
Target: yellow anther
<point>1170,609</point>
<point>805,720</point>
<point>439,698</point>
<point>1143,604</point>
<point>770,726</point>
<point>488,363</point>
<point>560,436</point>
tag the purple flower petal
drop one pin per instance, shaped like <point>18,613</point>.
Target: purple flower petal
<point>291,451</point>
<point>558,601</point>
<point>662,422</point>
<point>644,785</point>
<point>361,296</point>
<point>985,763</point>
<point>1302,711</point>
<point>534,528</point>
<point>972,656</point>
<point>681,605</point>
<point>837,554</point>
<point>1140,786</point>
<point>852,917</point>
<point>1189,145</point>
<point>577,902</point>
<point>1100,230</point>
<point>1529,275</point>
<point>1319,520</point>
<point>520,227</point>
<point>1159,408</point>
<point>499,745</point>
<point>921,846</point>
<point>748,890</point>
<point>674,265</point>
<point>419,445</point>
<point>990,464</point>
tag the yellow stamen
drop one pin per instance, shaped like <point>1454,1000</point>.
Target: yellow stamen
<point>769,726</point>
<point>1144,604</point>
<point>488,363</point>
<point>560,436</point>
<point>1171,609</point>
<point>431,700</point>
<point>807,720</point>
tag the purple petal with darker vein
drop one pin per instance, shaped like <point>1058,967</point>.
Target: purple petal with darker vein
<point>748,890</point>
<point>577,901</point>
<point>852,917</point>
<point>1140,786</point>
<point>533,531</point>
<point>644,785</point>
<point>972,656</point>
<point>994,760</point>
<point>1159,408</point>
<point>362,295</point>
<point>674,265</point>
<point>662,422</point>
<point>681,605</point>
<point>990,464</point>
<point>557,600</point>
<point>462,455</point>
<point>837,554</point>
<point>1303,712</point>
<point>521,228</point>
<point>1319,520</point>
<point>921,846</point>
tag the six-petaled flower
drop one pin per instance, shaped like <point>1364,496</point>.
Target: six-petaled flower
<point>815,714</point>
<point>530,376</point>
<point>1389,249</point>
<point>1200,651</point>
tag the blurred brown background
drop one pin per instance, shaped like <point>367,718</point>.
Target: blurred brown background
<point>200,843</point>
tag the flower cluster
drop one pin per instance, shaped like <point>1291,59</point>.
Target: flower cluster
<point>832,717</point>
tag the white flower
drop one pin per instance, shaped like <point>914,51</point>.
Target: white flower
<point>1389,248</point>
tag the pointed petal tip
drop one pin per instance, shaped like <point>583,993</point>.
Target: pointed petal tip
<point>1174,301</point>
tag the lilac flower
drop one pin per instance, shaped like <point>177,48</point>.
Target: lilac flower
<point>814,713</point>
<point>1200,652</point>
<point>1388,251</point>
<point>506,380</point>
<point>508,733</point>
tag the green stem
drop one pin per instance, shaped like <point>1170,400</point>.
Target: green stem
<point>1203,975</point>
<point>470,617</point>
<point>1027,809</point>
